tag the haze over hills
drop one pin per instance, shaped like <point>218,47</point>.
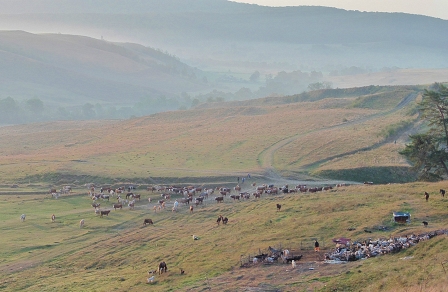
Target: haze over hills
<point>151,56</point>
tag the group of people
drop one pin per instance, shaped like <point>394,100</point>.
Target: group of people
<point>243,178</point>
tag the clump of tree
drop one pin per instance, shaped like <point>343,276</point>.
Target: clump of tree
<point>428,152</point>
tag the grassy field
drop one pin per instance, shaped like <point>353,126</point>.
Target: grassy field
<point>114,253</point>
<point>297,138</point>
<point>354,135</point>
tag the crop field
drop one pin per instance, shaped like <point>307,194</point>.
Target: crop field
<point>115,252</point>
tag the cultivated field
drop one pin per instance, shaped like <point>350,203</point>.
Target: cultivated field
<point>114,253</point>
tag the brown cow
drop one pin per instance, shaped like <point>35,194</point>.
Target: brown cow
<point>147,221</point>
<point>219,199</point>
<point>105,212</point>
<point>118,206</point>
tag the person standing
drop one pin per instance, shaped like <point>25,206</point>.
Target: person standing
<point>316,246</point>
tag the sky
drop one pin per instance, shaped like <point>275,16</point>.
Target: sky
<point>434,8</point>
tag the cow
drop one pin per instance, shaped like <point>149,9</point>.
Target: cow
<point>162,267</point>
<point>279,207</point>
<point>129,195</point>
<point>256,195</point>
<point>105,197</point>
<point>95,205</point>
<point>136,196</point>
<point>131,204</point>
<point>104,212</point>
<point>237,188</point>
<point>225,220</point>
<point>53,218</point>
<point>81,223</point>
<point>235,197</point>
<point>118,206</point>
<point>199,200</point>
<point>442,192</point>
<point>147,221</point>
<point>219,199</point>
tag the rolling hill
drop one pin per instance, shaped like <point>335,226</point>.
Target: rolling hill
<point>73,70</point>
<point>343,134</point>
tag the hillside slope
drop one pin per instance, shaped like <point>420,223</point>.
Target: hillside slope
<point>336,131</point>
<point>73,70</point>
<point>213,31</point>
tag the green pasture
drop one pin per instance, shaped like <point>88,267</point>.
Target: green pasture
<point>115,252</point>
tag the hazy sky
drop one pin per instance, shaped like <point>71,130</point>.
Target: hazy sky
<point>434,8</point>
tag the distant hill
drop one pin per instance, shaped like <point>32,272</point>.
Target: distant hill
<point>222,30</point>
<point>68,70</point>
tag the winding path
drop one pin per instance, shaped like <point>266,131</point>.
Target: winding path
<point>266,157</point>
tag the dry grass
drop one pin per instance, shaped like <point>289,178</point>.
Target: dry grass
<point>115,252</point>
<point>297,137</point>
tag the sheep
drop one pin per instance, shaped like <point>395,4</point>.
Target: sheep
<point>150,279</point>
<point>22,217</point>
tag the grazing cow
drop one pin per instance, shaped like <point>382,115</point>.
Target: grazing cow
<point>105,212</point>
<point>105,197</point>
<point>81,223</point>
<point>129,195</point>
<point>237,188</point>
<point>425,223</point>
<point>147,221</point>
<point>256,195</point>
<point>442,192</point>
<point>191,209</point>
<point>131,204</point>
<point>235,197</point>
<point>199,200</point>
<point>279,207</point>
<point>118,206</point>
<point>219,199</point>
<point>53,218</point>
<point>95,205</point>
<point>22,217</point>
<point>162,267</point>
<point>136,196</point>
<point>225,220</point>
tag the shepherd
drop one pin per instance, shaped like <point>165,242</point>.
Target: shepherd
<point>426,196</point>
<point>316,246</point>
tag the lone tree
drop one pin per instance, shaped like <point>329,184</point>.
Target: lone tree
<point>429,151</point>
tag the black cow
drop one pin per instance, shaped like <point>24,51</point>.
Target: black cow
<point>162,267</point>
